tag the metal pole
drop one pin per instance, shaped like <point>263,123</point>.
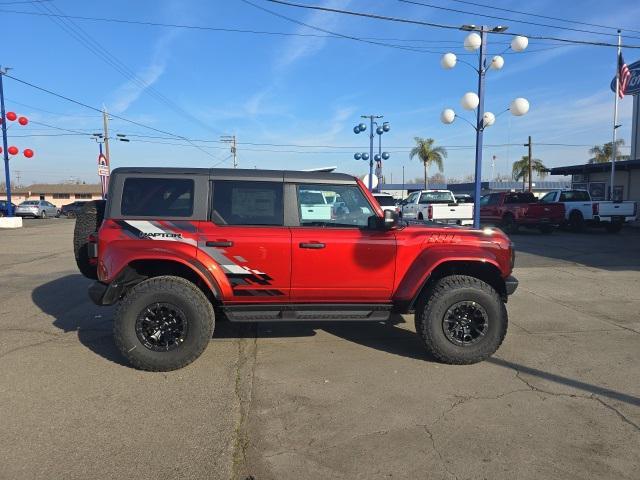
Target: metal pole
<point>105,123</point>
<point>7,173</point>
<point>234,149</point>
<point>530,169</point>
<point>479,128</point>
<point>371,155</point>
<point>615,121</point>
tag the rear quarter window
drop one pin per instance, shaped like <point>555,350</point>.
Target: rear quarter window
<point>157,197</point>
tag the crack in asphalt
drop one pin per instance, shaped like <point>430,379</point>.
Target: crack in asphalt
<point>245,372</point>
<point>435,449</point>
<point>593,396</point>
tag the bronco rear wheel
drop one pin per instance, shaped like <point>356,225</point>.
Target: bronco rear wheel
<point>163,323</point>
<point>87,222</point>
<point>462,320</point>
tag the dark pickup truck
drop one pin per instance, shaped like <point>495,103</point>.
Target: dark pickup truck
<point>511,210</point>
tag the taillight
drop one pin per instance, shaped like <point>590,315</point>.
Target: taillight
<point>595,208</point>
<point>430,212</point>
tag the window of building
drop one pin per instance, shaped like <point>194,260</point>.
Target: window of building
<point>61,195</point>
<point>155,197</point>
<point>238,202</point>
<point>349,209</point>
<point>83,195</point>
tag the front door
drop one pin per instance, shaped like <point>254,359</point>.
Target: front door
<point>247,238</point>
<point>335,258</point>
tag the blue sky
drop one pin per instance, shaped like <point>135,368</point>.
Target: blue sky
<point>301,90</point>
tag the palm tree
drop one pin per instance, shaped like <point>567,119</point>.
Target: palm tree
<point>428,155</point>
<point>603,153</point>
<point>521,169</point>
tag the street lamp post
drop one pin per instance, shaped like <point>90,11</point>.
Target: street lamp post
<point>380,129</point>
<point>475,101</point>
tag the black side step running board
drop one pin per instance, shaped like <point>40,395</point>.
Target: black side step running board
<point>308,313</point>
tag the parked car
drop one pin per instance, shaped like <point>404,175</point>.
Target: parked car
<point>581,211</point>
<point>4,211</point>
<point>438,206</point>
<point>387,202</point>
<point>71,210</point>
<point>36,209</point>
<point>464,198</point>
<point>240,245</point>
<point>511,210</point>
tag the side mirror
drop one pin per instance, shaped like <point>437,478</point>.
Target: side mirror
<point>390,219</point>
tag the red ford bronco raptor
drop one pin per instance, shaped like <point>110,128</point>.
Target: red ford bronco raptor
<point>178,248</point>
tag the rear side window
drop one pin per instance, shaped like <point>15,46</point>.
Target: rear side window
<point>157,197</point>
<point>385,200</point>
<point>247,203</point>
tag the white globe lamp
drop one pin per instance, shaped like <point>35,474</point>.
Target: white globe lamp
<point>519,106</point>
<point>448,61</point>
<point>447,116</point>
<point>472,42</point>
<point>519,43</point>
<point>497,62</point>
<point>488,119</point>
<point>469,101</point>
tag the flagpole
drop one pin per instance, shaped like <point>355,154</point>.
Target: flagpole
<point>615,119</point>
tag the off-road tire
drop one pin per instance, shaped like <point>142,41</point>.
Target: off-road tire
<point>431,310</point>
<point>509,225</point>
<point>576,222</point>
<point>546,229</point>
<point>88,221</point>
<point>179,292</point>
<point>613,227</point>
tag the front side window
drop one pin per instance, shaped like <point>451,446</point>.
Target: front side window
<point>549,197</point>
<point>247,203</point>
<point>157,197</point>
<point>351,208</point>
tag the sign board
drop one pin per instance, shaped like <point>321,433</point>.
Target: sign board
<point>103,170</point>
<point>103,173</point>
<point>633,88</point>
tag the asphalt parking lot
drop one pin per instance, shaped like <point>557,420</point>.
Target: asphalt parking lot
<point>561,398</point>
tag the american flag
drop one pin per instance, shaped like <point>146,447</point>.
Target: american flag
<point>624,75</point>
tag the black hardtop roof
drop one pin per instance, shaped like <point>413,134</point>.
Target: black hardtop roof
<point>242,174</point>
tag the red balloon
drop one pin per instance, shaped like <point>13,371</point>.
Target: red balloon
<point>23,120</point>
<point>13,150</point>
<point>0,149</point>
<point>28,152</point>
<point>11,116</point>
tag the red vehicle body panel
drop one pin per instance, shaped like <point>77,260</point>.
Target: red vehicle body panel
<point>524,213</point>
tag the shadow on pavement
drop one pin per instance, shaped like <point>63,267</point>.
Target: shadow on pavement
<point>593,248</point>
<point>66,300</point>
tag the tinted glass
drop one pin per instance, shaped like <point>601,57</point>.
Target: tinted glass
<point>385,200</point>
<point>575,196</point>
<point>525,197</point>
<point>436,197</point>
<point>351,210</point>
<point>30,202</point>
<point>247,203</point>
<point>157,197</point>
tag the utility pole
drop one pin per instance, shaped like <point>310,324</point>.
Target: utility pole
<point>231,139</point>
<point>530,170</point>
<point>7,173</point>
<point>105,123</point>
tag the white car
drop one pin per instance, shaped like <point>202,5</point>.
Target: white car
<point>436,206</point>
<point>36,209</point>
<point>581,211</point>
<point>387,202</point>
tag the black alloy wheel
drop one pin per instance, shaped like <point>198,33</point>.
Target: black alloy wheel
<point>161,327</point>
<point>465,323</point>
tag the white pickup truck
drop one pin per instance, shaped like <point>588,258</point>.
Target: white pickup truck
<point>436,206</point>
<point>581,211</point>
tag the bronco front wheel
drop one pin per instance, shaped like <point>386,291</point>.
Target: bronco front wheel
<point>163,323</point>
<point>463,320</point>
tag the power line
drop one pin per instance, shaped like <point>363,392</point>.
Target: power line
<point>525,22</point>
<point>98,50</point>
<point>519,12</point>
<point>49,111</point>
<point>438,25</point>
<point>133,122</point>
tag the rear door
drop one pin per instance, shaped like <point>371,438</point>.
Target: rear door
<point>337,258</point>
<point>246,236</point>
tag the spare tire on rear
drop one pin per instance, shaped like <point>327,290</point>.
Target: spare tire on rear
<point>88,221</point>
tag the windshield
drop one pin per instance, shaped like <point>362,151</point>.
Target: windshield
<point>436,197</point>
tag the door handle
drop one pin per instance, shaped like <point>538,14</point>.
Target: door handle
<point>314,245</point>
<point>219,243</point>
